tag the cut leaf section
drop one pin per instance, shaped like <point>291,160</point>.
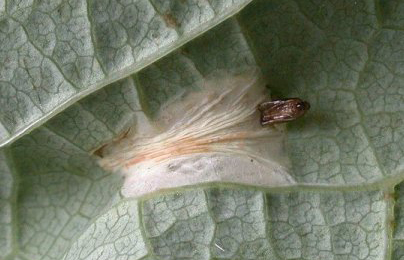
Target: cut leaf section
<point>54,53</point>
<point>8,223</point>
<point>397,223</point>
<point>347,65</point>
<point>61,188</point>
<point>224,223</point>
<point>114,235</point>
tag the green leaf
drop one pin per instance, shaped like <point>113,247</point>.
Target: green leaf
<point>239,224</point>
<point>54,53</point>
<point>340,197</point>
<point>398,223</point>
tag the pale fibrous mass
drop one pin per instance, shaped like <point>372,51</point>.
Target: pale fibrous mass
<point>208,135</point>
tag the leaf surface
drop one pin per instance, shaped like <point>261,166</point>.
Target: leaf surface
<point>54,53</point>
<point>345,154</point>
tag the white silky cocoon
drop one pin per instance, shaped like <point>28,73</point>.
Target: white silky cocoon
<point>210,135</point>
